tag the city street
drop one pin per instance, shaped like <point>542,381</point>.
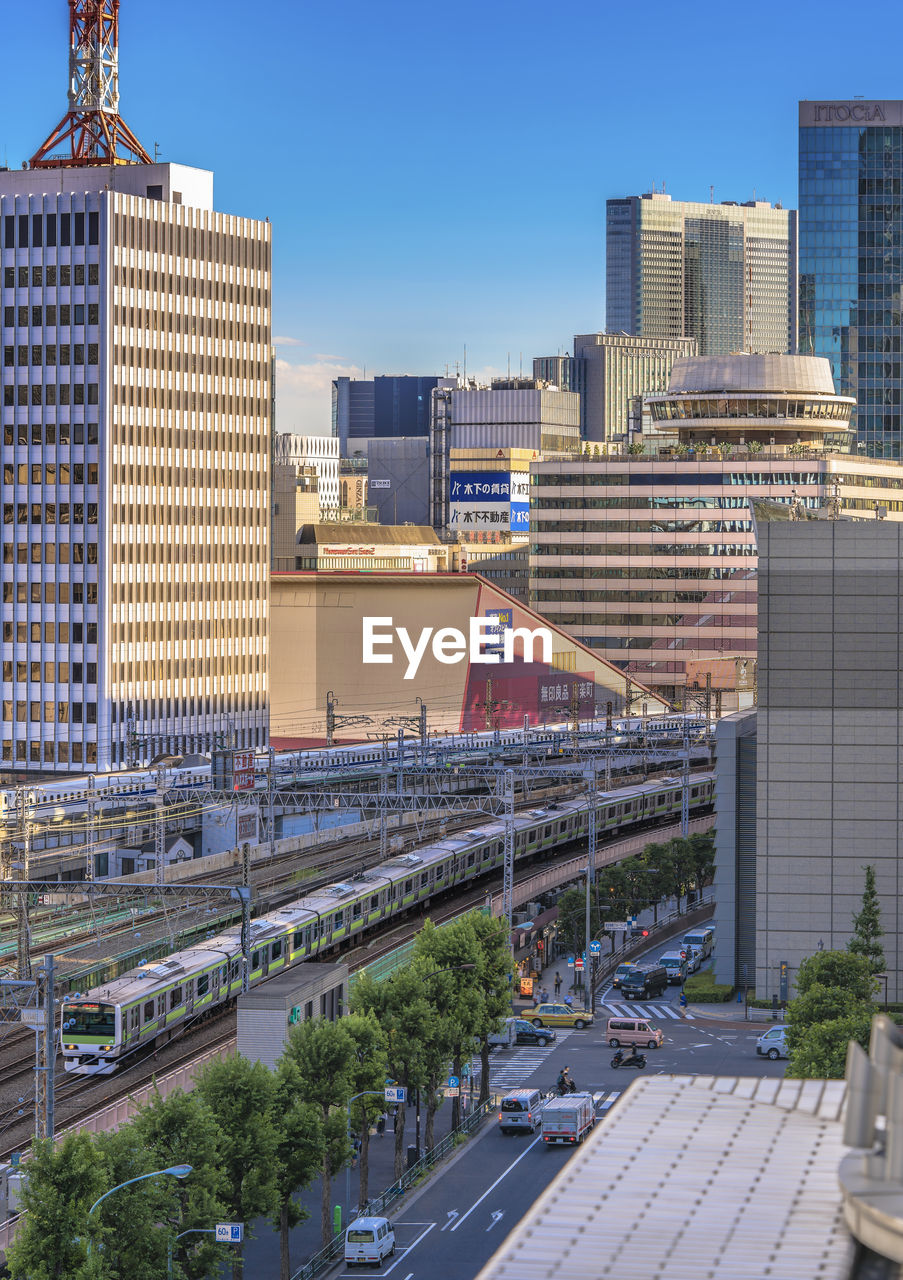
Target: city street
<point>454,1225</point>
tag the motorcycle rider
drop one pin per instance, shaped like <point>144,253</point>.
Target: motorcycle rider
<point>564,1084</point>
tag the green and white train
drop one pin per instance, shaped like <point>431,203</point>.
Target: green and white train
<point>155,1001</point>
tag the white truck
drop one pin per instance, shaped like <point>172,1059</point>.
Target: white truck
<point>506,1037</point>
<point>568,1119</point>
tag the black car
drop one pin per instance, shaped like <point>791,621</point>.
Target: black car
<point>526,1033</point>
<point>644,983</point>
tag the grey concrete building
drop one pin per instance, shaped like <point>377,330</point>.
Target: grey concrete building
<point>735,848</point>
<point>830,737</point>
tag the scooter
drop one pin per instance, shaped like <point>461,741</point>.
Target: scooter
<point>559,1092</point>
<point>635,1060</point>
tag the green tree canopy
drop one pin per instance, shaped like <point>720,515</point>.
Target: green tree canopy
<point>839,969</point>
<point>242,1097</point>
<point>821,1053</point>
<point>867,931</point>
<point>181,1129</point>
<point>63,1182</point>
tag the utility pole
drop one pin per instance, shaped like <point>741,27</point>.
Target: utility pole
<point>508,876</point>
<point>23,930</point>
<point>575,718</point>
<point>244,893</point>
<point>685,784</point>
<point>423,734</point>
<point>45,1052</point>
<point>399,764</point>
<point>383,815</point>
<point>590,881</point>
<point>488,703</point>
<point>330,718</point>
<point>89,829</point>
<point>159,826</point>
<point>271,802</point>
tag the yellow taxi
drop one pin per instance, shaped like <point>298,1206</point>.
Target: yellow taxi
<point>560,1015</point>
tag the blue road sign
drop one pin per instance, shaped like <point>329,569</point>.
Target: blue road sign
<point>453,1082</point>
<point>229,1232</point>
<point>595,947</point>
<point>571,961</point>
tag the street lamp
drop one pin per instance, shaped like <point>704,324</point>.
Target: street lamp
<point>176,1170</point>
<point>364,1094</point>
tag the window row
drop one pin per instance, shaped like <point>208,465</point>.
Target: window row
<point>50,513</point>
<point>41,277</point>
<point>49,632</point>
<point>40,230</point>
<point>51,433</point>
<point>37,356</point>
<point>49,672</point>
<point>52,394</point>
<point>50,473</point>
<point>55,553</point>
<point>53,712</point>
<point>50,752</point>
<point>49,592</point>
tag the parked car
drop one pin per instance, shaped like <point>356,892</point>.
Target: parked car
<point>560,1015</point>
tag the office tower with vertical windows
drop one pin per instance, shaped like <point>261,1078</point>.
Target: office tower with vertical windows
<point>724,274</point>
<point>851,256</point>
<point>135,345</point>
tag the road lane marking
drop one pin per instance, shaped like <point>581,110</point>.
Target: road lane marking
<point>497,1215</point>
<point>499,1179</point>
<point>452,1214</point>
<point>406,1251</point>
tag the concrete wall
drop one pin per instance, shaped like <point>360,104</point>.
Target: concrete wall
<point>830,719</point>
<point>735,847</point>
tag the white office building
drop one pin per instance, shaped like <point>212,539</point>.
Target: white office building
<point>136,397</point>
<point>319,452</point>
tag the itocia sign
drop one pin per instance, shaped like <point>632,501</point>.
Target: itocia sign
<point>449,645</point>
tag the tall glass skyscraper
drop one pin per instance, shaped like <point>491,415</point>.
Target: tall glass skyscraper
<point>724,274</point>
<point>851,256</point>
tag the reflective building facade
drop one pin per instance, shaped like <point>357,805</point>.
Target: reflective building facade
<point>724,274</point>
<point>851,256</point>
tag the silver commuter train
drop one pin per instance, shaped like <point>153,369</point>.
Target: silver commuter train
<point>154,1001</point>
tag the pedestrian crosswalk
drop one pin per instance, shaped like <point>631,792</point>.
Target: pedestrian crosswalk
<point>511,1067</point>
<point>644,1010</point>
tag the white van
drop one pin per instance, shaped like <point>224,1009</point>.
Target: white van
<point>369,1240</point>
<point>702,937</point>
<point>773,1043</point>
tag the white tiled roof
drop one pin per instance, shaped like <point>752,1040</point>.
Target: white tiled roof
<point>695,1178</point>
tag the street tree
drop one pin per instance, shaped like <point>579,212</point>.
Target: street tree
<point>405,1015</point>
<point>368,1077</point>
<point>63,1182</point>
<point>834,991</point>
<point>494,978</point>
<point>318,1060</point>
<point>242,1097</point>
<point>300,1143</point>
<point>182,1129</point>
<point>821,1053</point>
<point>849,973</point>
<point>453,988</point>
<point>867,931</point>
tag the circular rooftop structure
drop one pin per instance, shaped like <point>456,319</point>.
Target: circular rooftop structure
<point>773,399</point>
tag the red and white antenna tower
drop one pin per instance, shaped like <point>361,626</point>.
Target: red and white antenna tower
<point>92,132</point>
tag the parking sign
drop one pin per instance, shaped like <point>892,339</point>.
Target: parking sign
<point>229,1232</point>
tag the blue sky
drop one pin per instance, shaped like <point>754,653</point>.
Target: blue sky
<point>437,174</point>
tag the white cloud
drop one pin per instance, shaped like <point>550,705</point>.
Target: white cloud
<point>288,342</point>
<point>304,394</point>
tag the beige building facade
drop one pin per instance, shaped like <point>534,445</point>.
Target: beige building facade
<point>136,402</point>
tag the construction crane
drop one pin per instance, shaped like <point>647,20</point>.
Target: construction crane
<point>92,132</point>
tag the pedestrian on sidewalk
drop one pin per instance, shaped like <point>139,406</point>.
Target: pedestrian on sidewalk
<point>545,996</point>
<point>381,1125</point>
<point>557,985</point>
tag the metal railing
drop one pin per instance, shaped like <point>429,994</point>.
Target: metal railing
<point>376,1206</point>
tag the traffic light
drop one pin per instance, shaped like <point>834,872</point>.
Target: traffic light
<point>645,933</point>
<point>540,945</point>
